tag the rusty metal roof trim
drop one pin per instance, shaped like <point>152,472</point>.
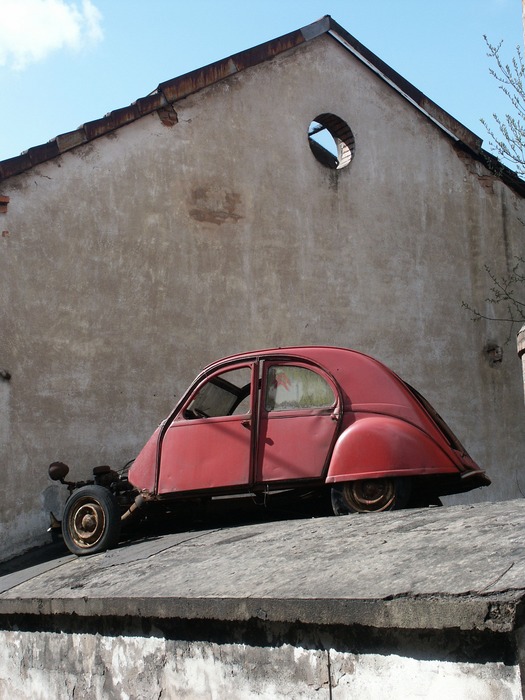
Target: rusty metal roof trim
<point>438,115</point>
<point>39,154</point>
<point>502,172</point>
<point>184,85</point>
<point>112,121</point>
<point>71,139</point>
<point>176,89</point>
<point>151,103</point>
<point>187,84</point>
<point>13,166</point>
<point>464,138</point>
<point>166,93</point>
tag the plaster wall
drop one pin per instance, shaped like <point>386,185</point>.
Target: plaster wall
<point>130,262</point>
<point>41,665</point>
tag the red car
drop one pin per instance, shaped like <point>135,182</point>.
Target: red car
<point>289,418</point>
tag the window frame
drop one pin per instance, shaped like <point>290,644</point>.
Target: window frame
<point>216,378</point>
<point>318,371</point>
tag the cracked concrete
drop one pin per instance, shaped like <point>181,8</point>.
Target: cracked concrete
<point>425,603</point>
<point>467,557</point>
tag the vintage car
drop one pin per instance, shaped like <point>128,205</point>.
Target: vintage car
<point>311,418</point>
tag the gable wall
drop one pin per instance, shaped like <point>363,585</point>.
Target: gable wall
<point>132,261</point>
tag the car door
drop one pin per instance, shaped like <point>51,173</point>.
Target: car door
<point>208,444</point>
<point>299,416</point>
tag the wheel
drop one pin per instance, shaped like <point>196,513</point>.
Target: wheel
<point>91,521</point>
<point>370,496</point>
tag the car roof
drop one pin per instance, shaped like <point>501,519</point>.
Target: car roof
<point>361,378</point>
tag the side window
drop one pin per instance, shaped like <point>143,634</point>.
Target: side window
<point>289,388</point>
<point>225,394</point>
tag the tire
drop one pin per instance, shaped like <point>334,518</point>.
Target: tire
<point>370,496</point>
<point>91,521</point>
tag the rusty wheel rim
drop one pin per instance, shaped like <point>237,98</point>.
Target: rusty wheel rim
<point>87,523</point>
<point>370,495</point>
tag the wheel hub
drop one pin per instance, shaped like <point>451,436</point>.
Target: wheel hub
<point>87,523</point>
<point>370,495</point>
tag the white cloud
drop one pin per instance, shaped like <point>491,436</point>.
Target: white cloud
<point>32,29</point>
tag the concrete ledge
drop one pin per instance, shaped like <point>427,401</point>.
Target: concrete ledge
<point>423,603</point>
<point>459,567</point>
<point>495,615</point>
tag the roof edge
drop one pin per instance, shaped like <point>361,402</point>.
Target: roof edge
<point>418,98</point>
<point>185,85</point>
<point>496,613</point>
<point>466,139</point>
<point>177,88</point>
<point>166,93</point>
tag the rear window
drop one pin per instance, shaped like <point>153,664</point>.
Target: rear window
<point>289,388</point>
<point>443,427</point>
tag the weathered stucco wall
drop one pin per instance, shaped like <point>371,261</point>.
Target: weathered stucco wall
<point>41,665</point>
<point>424,603</point>
<point>130,262</point>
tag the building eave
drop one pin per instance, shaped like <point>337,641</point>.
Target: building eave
<point>178,88</point>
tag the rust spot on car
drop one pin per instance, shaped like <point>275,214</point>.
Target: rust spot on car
<point>208,204</point>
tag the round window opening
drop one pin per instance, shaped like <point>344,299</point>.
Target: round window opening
<point>331,141</point>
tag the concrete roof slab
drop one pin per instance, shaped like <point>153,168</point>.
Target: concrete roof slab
<point>461,566</point>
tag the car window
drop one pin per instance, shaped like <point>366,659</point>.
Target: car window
<point>452,440</point>
<point>225,394</point>
<point>290,387</point>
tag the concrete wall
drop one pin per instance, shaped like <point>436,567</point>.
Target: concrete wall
<point>130,262</point>
<point>41,665</point>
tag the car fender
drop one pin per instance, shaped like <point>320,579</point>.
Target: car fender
<point>142,472</point>
<point>377,446</point>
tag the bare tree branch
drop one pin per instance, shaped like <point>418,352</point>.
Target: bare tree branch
<point>508,138</point>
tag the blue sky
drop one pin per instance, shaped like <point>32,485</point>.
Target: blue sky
<point>65,62</point>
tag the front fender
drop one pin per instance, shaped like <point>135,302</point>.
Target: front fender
<point>142,472</point>
<point>378,446</point>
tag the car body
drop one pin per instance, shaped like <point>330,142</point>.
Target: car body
<point>286,418</point>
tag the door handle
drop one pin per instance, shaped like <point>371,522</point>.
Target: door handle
<point>246,423</point>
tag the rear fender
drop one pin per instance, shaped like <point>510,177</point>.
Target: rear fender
<point>379,446</point>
